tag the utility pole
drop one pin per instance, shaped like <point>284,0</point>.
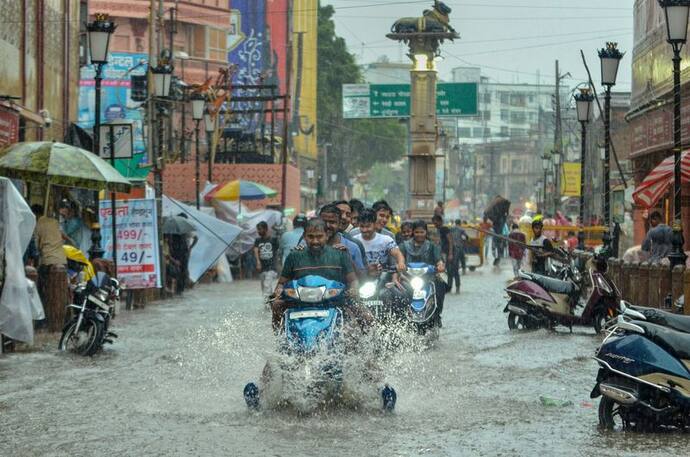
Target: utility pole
<point>557,142</point>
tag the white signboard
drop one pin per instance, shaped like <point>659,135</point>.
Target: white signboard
<point>122,138</point>
<point>138,265</point>
<point>356,101</point>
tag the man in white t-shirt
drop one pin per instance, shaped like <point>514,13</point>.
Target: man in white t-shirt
<point>379,248</point>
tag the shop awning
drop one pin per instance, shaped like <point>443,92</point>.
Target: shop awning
<point>659,180</point>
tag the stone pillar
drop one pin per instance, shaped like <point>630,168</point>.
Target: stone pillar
<point>423,135</point>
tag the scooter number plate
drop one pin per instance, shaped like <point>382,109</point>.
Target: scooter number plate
<point>308,314</point>
<point>418,295</point>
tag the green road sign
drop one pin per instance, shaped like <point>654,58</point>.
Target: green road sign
<point>362,101</point>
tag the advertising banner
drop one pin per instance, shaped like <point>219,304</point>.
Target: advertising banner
<point>116,104</point>
<point>138,265</point>
<point>570,184</point>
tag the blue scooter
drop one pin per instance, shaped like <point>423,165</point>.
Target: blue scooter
<point>312,336</point>
<point>644,376</point>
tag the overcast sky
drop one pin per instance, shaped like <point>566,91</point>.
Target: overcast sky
<point>511,40</point>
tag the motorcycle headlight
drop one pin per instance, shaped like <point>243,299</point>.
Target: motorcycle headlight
<point>367,290</point>
<point>311,294</point>
<point>417,271</point>
<point>417,283</point>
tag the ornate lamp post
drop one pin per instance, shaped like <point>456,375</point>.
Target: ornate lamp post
<point>210,126</point>
<point>610,57</point>
<point>424,48</point>
<point>99,32</point>
<point>198,105</point>
<point>676,14</point>
<point>583,102</point>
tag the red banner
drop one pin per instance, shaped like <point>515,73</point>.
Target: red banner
<point>9,127</point>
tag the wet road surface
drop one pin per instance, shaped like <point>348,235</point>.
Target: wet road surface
<point>171,385</point>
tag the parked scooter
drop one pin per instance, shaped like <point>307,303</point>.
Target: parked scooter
<point>537,301</point>
<point>644,376</point>
<point>312,342</point>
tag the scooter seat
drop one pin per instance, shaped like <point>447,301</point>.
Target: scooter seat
<point>552,284</point>
<point>665,319</point>
<point>677,342</point>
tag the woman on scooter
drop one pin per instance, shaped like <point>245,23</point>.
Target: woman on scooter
<point>420,250</point>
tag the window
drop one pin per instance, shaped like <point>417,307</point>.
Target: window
<point>517,117</point>
<point>464,132</point>
<point>481,132</point>
<point>518,100</point>
<point>486,97</point>
<point>504,131</point>
<point>485,115</point>
<point>199,42</point>
<point>518,133</point>
<point>505,98</point>
<point>505,115</point>
<point>217,45</point>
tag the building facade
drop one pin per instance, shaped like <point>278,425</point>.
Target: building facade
<point>651,108</point>
<point>39,48</point>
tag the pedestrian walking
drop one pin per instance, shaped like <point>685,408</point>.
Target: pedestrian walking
<point>265,251</point>
<point>516,251</point>
<point>459,236</point>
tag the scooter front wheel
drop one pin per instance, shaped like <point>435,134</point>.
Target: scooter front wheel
<point>600,319</point>
<point>518,322</point>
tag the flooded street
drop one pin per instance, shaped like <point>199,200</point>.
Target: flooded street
<point>172,385</point>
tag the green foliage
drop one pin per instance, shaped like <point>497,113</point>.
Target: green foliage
<point>356,143</point>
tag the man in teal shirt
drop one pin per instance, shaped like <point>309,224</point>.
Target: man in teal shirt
<point>318,259</point>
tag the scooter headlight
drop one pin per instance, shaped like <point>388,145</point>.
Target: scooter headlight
<point>367,290</point>
<point>417,283</point>
<point>311,294</point>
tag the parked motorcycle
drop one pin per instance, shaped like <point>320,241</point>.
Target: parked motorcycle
<point>644,376</point>
<point>312,342</point>
<point>93,306</point>
<point>673,321</point>
<point>537,301</point>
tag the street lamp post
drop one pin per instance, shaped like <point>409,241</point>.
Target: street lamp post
<point>610,57</point>
<point>161,77</point>
<point>99,32</point>
<point>210,126</point>
<point>583,102</point>
<point>676,13</point>
<point>198,105</point>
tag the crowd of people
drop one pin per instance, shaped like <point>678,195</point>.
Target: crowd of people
<point>349,243</point>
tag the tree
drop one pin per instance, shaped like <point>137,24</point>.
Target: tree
<point>356,144</point>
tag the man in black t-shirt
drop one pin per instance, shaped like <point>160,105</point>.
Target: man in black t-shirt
<point>265,251</point>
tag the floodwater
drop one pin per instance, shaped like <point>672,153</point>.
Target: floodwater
<point>172,385</point>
